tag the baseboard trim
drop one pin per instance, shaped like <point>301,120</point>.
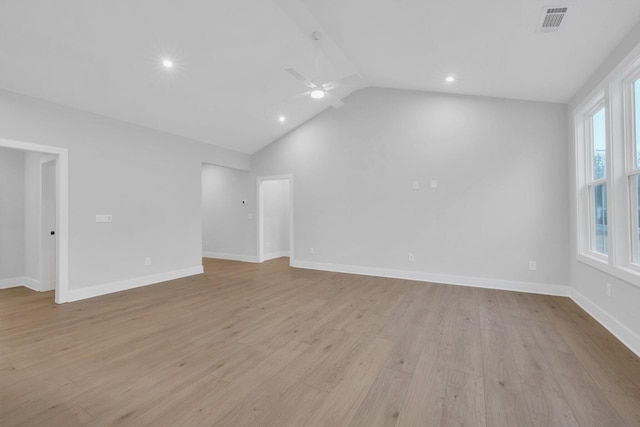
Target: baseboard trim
<point>620,331</point>
<point>33,284</point>
<point>136,282</point>
<point>230,257</point>
<point>15,282</point>
<point>628,337</point>
<point>477,282</point>
<point>274,255</point>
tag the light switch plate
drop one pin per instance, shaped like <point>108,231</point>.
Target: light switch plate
<point>104,218</point>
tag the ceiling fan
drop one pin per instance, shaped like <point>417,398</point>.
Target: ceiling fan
<point>318,91</point>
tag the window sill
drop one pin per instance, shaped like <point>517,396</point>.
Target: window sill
<point>623,273</point>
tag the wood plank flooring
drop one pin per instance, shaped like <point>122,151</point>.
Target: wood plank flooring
<point>267,345</point>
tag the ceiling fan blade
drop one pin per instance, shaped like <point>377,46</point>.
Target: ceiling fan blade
<point>300,77</point>
<point>302,95</point>
<point>334,100</point>
<point>345,81</point>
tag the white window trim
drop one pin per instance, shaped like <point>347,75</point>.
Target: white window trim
<point>634,247</point>
<point>584,180</point>
<point>616,94</point>
<point>623,86</point>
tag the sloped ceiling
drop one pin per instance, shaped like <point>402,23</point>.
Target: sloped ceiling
<point>228,86</point>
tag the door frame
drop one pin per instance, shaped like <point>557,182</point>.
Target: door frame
<point>44,160</point>
<point>62,210</point>
<point>260,213</point>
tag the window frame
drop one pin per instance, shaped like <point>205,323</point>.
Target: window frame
<point>585,178</point>
<point>591,182</point>
<point>631,167</point>
<point>616,94</point>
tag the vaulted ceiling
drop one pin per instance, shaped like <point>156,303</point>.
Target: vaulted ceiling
<point>228,86</point>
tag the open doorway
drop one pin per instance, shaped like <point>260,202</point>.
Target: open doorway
<point>46,210</point>
<point>228,214</point>
<point>275,217</point>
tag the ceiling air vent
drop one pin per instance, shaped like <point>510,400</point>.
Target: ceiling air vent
<point>551,19</point>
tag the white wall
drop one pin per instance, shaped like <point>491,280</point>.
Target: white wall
<point>620,312</point>
<point>501,200</point>
<point>149,181</point>
<point>275,212</point>
<point>228,232</point>
<point>11,216</point>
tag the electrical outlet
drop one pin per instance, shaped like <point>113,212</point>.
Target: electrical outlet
<point>608,289</point>
<point>412,257</point>
<point>147,261</point>
<point>434,183</point>
<point>533,265</point>
<point>312,251</point>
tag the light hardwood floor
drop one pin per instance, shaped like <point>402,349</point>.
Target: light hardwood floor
<point>266,345</point>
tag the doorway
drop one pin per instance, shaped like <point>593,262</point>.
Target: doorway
<point>54,249</point>
<point>275,217</point>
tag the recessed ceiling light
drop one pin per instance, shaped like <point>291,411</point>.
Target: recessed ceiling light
<point>317,93</point>
<point>282,119</point>
<point>167,63</point>
<point>450,79</point>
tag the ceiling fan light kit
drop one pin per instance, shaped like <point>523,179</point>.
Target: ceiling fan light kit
<point>323,90</point>
<point>317,93</point>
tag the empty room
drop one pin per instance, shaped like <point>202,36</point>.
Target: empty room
<point>320,213</point>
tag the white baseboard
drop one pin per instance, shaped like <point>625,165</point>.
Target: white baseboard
<point>478,282</point>
<point>15,282</point>
<point>274,255</point>
<point>33,284</point>
<point>11,282</point>
<point>230,257</point>
<point>628,337</point>
<point>620,331</point>
<point>136,282</point>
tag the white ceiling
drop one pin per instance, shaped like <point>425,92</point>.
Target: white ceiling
<point>228,86</point>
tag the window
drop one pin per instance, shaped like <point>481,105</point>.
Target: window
<point>607,143</point>
<point>633,174</point>
<point>592,179</point>
<point>597,184</point>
